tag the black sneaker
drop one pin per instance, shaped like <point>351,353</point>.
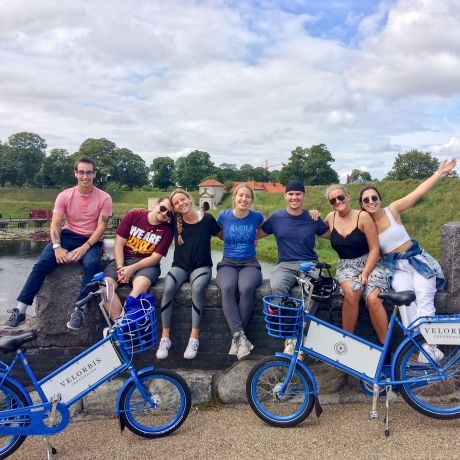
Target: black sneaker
<point>16,318</point>
<point>76,320</point>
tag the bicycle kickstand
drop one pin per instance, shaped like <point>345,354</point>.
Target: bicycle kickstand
<point>50,450</point>
<point>388,395</point>
<point>374,413</point>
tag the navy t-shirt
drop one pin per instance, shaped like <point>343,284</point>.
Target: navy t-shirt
<point>295,235</point>
<point>239,233</point>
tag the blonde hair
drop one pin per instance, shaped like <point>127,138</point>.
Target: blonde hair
<point>239,187</point>
<point>336,187</point>
<point>179,219</point>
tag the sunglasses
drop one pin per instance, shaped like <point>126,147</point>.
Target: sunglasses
<point>368,199</point>
<point>337,198</point>
<point>165,210</point>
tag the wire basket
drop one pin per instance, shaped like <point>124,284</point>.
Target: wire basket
<point>283,316</point>
<point>137,330</point>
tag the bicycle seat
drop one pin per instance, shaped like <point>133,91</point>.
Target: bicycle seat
<point>11,343</point>
<point>399,298</point>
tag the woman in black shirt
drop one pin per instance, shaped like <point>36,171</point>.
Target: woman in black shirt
<point>360,270</point>
<point>192,261</point>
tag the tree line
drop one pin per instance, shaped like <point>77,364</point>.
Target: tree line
<point>24,162</point>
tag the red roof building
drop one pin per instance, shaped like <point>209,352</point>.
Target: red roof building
<point>211,183</point>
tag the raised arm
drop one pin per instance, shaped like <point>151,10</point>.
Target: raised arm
<point>406,202</point>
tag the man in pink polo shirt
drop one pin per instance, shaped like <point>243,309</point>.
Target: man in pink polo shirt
<point>86,210</point>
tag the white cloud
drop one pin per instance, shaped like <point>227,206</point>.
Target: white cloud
<point>245,84</point>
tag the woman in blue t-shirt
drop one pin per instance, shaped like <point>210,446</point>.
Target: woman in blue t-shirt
<point>239,273</point>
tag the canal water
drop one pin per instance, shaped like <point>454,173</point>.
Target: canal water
<point>17,258</point>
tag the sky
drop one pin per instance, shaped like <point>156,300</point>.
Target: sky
<point>245,81</point>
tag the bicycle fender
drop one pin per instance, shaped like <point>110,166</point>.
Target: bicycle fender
<point>304,367</point>
<point>19,386</point>
<point>398,350</point>
<point>127,382</point>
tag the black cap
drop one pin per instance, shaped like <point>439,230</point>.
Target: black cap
<point>295,186</point>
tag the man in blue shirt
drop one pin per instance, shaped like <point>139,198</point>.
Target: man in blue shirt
<point>295,233</point>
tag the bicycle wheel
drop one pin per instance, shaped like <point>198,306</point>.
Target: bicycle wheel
<point>438,398</point>
<point>172,396</point>
<point>11,397</point>
<point>262,386</point>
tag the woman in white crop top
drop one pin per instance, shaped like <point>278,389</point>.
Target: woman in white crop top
<point>411,267</point>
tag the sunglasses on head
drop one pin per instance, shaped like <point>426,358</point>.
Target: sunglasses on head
<point>368,199</point>
<point>337,198</point>
<point>165,210</point>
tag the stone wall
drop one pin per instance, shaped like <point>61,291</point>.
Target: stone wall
<point>55,302</point>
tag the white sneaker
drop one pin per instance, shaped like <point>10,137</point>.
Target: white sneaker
<point>165,345</point>
<point>433,351</point>
<point>192,348</point>
<point>289,345</point>
<point>234,347</point>
<point>244,346</point>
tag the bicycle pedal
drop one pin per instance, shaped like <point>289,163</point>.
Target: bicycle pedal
<point>373,415</point>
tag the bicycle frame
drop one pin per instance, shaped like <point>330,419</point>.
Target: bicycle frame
<point>353,354</point>
<point>67,385</point>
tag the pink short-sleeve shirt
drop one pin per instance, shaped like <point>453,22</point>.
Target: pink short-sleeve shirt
<point>82,212</point>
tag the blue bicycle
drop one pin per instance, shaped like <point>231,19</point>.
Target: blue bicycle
<point>151,403</point>
<point>425,368</point>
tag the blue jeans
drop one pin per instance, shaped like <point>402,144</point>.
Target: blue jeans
<point>47,262</point>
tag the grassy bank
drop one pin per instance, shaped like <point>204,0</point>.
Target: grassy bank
<point>423,222</point>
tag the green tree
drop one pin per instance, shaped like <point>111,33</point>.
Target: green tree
<point>28,154</point>
<point>227,172</point>
<point>129,169</point>
<point>103,152</point>
<point>359,175</point>
<point>246,172</point>
<point>57,170</point>
<point>163,170</point>
<point>275,175</point>
<point>413,164</point>
<point>190,170</point>
<point>7,168</point>
<point>261,174</point>
<point>310,165</point>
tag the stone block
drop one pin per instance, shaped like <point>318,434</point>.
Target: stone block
<point>231,384</point>
<point>450,262</point>
<point>102,401</point>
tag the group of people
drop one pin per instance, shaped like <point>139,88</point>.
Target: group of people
<point>375,253</point>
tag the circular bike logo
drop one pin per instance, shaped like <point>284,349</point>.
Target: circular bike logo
<point>340,348</point>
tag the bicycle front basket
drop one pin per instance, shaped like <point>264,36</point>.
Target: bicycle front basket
<point>283,316</point>
<point>137,330</point>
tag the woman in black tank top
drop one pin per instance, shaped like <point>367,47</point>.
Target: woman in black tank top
<point>359,270</point>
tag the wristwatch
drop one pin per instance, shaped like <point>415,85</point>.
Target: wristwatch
<point>56,245</point>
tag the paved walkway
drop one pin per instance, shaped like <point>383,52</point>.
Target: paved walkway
<point>233,432</point>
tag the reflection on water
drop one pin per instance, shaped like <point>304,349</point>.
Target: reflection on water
<point>18,257</point>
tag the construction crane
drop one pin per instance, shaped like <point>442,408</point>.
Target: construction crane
<point>267,166</point>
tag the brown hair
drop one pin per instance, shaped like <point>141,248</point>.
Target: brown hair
<point>365,189</point>
<point>85,160</point>
<point>179,219</point>
<point>240,186</point>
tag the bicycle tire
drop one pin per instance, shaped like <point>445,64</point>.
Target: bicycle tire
<point>262,383</point>
<point>438,399</point>
<point>11,397</point>
<point>172,395</point>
